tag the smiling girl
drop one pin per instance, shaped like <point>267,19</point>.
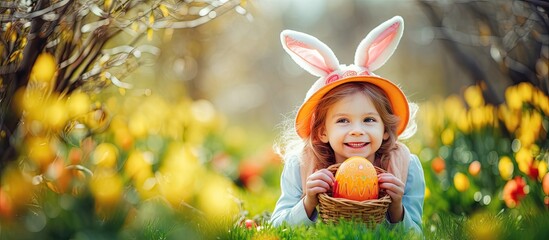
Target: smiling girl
<point>350,112</point>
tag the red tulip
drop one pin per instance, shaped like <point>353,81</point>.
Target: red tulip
<point>514,191</point>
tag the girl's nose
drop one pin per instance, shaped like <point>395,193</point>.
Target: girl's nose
<point>356,130</point>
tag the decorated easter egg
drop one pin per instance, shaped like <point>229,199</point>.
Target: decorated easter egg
<point>356,179</point>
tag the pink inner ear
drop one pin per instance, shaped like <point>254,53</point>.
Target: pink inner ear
<point>381,42</point>
<point>308,54</point>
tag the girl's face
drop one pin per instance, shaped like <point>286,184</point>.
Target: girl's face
<point>353,127</point>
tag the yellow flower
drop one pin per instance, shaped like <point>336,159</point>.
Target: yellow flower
<point>542,168</point>
<point>215,197</point>
<point>106,186</point>
<point>473,96</point>
<point>136,165</point>
<point>178,174</point>
<point>542,101</point>
<point>78,104</point>
<point>489,112</point>
<point>505,167</point>
<point>526,136</point>
<point>41,150</point>
<point>511,118</point>
<point>44,68</point>
<point>453,108</point>
<point>513,98</point>
<point>447,136</point>
<point>525,91</point>
<point>524,159</point>
<point>461,182</point>
<point>107,4</point>
<point>31,101</point>
<point>463,123</point>
<point>55,114</point>
<point>97,118</point>
<point>139,168</point>
<point>105,155</point>
<point>536,120</point>
<point>138,125</point>
<point>477,117</point>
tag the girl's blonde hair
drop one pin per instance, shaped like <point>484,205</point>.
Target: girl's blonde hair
<point>291,146</point>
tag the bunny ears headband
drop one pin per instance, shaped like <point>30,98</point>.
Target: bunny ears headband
<point>319,60</point>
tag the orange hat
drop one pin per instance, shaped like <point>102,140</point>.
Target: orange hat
<point>318,59</point>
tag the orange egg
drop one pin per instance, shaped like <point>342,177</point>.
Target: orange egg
<point>356,179</point>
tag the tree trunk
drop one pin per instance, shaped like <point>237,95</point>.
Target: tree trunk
<point>9,118</point>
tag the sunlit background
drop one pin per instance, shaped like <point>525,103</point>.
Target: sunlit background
<point>169,130</point>
<point>245,73</point>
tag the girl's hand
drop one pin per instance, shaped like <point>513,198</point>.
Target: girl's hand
<point>320,181</point>
<point>395,188</point>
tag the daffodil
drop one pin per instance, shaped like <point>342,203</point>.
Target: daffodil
<point>78,104</point>
<point>542,168</point>
<point>513,98</point>
<point>453,107</point>
<point>524,159</point>
<point>477,117</point>
<point>525,90</point>
<point>473,96</point>
<point>511,118</point>
<point>216,198</point>
<point>107,187</point>
<point>505,167</point>
<point>55,115</point>
<point>447,136</point>
<point>461,182</point>
<point>41,150</point>
<point>44,68</point>
<point>178,174</point>
<point>105,155</point>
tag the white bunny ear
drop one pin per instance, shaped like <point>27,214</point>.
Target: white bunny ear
<point>378,46</point>
<point>310,53</point>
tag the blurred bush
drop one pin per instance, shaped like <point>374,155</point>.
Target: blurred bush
<point>110,163</point>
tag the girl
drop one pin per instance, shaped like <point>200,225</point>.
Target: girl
<point>349,112</point>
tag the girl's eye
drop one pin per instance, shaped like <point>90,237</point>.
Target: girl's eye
<point>369,119</point>
<point>342,120</point>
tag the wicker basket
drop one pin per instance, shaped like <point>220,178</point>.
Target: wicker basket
<point>372,212</point>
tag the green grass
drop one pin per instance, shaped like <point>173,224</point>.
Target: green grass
<point>341,230</point>
<point>156,220</point>
<point>508,224</point>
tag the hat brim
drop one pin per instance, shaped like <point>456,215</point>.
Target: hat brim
<point>398,100</point>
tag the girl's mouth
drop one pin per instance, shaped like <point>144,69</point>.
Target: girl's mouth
<point>356,144</point>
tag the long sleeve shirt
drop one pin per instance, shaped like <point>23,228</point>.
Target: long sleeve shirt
<point>290,209</point>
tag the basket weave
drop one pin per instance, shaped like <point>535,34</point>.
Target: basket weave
<point>372,212</point>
